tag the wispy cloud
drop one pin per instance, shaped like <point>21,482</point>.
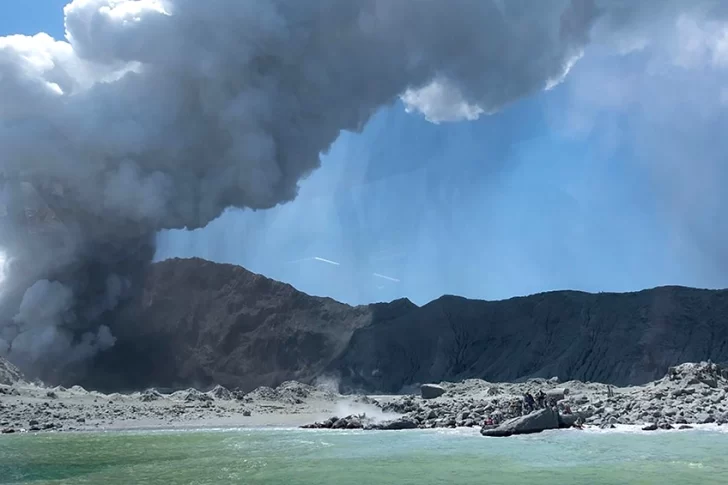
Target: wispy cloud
<point>388,278</point>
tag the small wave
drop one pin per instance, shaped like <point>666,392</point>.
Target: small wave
<point>637,429</point>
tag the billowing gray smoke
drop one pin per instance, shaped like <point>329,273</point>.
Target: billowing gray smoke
<point>162,113</point>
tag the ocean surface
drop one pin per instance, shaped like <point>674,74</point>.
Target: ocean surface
<point>266,456</point>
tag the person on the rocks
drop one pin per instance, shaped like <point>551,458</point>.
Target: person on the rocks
<point>579,424</point>
<point>524,405</point>
<point>530,402</point>
<point>541,397</point>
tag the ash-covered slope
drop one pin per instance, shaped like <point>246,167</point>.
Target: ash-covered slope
<point>199,323</point>
<point>629,338</point>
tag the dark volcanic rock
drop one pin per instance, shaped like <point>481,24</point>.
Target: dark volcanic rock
<point>534,422</point>
<point>400,423</point>
<point>348,422</point>
<point>622,339</point>
<point>431,391</point>
<point>199,323</point>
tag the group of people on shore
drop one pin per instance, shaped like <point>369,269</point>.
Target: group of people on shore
<point>530,403</point>
<point>541,401</point>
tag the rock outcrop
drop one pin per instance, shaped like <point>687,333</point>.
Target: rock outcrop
<point>199,324</point>
<point>535,422</point>
<point>9,374</point>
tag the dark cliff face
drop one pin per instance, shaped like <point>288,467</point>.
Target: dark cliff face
<point>199,323</point>
<point>615,338</point>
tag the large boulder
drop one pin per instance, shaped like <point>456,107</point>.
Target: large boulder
<point>557,394</point>
<point>401,423</point>
<point>569,420</point>
<point>535,422</point>
<point>431,391</point>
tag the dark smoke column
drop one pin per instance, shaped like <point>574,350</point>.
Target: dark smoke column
<point>67,278</point>
<point>159,114</point>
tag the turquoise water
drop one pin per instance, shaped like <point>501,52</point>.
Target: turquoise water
<point>355,457</point>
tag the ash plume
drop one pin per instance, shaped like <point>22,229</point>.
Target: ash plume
<point>160,114</point>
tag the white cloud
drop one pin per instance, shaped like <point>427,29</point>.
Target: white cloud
<point>439,102</point>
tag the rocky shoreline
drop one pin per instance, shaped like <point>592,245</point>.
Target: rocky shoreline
<point>691,393</point>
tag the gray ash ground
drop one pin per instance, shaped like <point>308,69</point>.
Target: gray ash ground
<point>689,394</point>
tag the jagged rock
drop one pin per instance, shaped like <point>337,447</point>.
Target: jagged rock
<point>51,395</point>
<point>222,393</point>
<point>704,418</point>
<point>431,391</point>
<point>9,374</point>
<point>191,395</point>
<point>150,395</point>
<point>534,422</point>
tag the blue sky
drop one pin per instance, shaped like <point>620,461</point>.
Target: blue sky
<point>612,181</point>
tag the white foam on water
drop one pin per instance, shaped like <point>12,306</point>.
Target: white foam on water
<point>637,429</point>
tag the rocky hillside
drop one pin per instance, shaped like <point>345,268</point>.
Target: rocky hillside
<point>620,339</point>
<point>199,323</point>
<point>9,374</point>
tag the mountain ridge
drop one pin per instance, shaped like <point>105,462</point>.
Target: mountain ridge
<point>198,323</point>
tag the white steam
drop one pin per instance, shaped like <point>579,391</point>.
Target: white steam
<point>157,114</point>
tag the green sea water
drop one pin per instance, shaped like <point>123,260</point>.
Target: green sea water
<point>293,457</point>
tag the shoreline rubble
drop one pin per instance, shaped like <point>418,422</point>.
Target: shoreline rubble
<point>690,394</point>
